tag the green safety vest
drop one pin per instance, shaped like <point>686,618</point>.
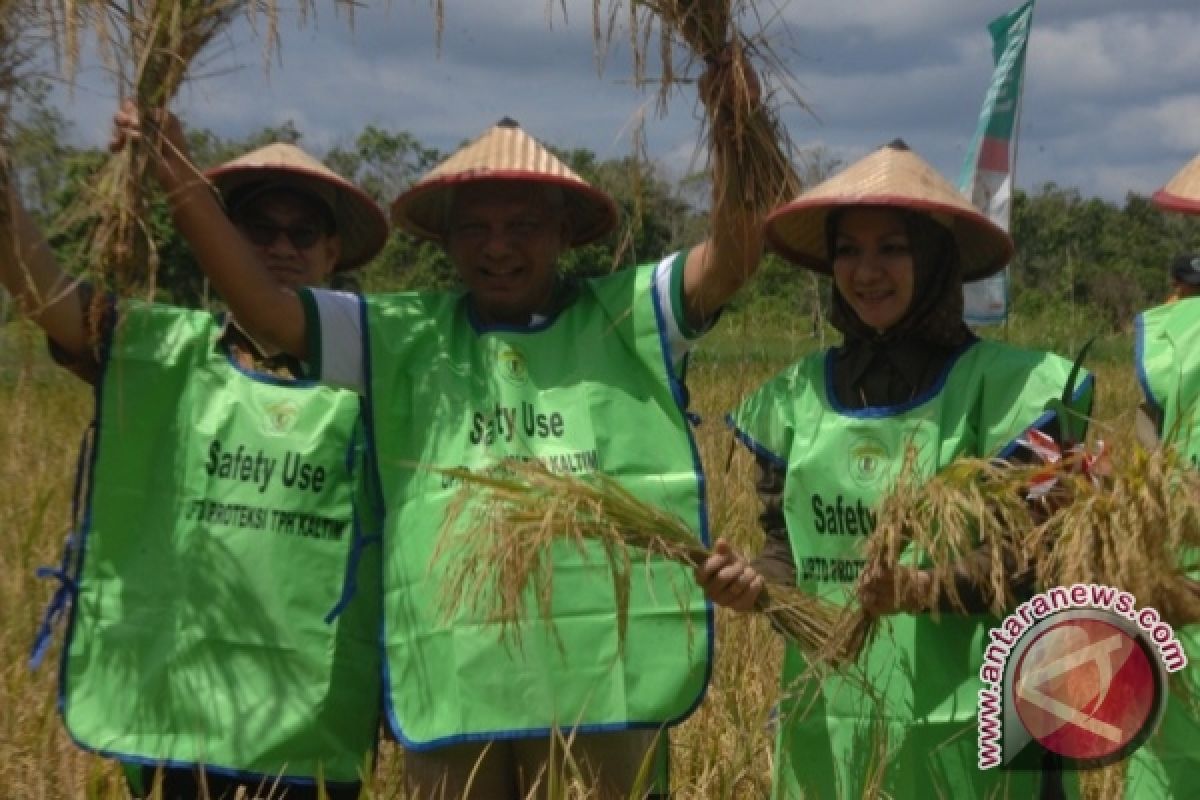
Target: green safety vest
<point>1168,366</point>
<point>590,390</point>
<point>220,530</point>
<point>924,673</point>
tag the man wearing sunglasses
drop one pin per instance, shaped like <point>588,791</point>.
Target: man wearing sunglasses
<point>584,375</point>
<point>216,641</point>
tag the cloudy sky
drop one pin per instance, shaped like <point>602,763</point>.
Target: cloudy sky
<point>1111,105</point>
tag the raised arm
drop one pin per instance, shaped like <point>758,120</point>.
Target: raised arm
<point>719,266</point>
<point>268,310</point>
<point>41,289</point>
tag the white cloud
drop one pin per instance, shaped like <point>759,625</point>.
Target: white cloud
<point>882,19</point>
<point>1110,93</point>
<point>1124,53</point>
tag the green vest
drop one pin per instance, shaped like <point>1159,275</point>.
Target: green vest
<point>839,465</point>
<point>1168,366</point>
<point>220,530</point>
<point>590,390</point>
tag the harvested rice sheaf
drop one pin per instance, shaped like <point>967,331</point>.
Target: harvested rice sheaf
<point>1138,530</point>
<point>742,125</point>
<point>966,524</point>
<point>500,529</point>
<point>151,47</point>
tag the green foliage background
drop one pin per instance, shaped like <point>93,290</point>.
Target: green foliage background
<point>1081,262</point>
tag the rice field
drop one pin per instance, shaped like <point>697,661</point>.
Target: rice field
<point>723,751</point>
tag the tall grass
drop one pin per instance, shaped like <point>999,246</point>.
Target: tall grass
<point>723,751</point>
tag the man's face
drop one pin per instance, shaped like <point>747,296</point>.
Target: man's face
<point>505,239</point>
<point>291,236</point>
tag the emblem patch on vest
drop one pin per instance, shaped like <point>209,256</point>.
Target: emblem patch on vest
<point>869,458</point>
<point>512,365</point>
<point>279,417</point>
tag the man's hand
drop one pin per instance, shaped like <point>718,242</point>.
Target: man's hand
<point>728,579</point>
<point>163,135</point>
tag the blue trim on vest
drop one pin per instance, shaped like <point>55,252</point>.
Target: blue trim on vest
<point>358,541</point>
<point>1139,360</point>
<point>262,377</point>
<point>368,399</point>
<point>1049,416</point>
<point>881,412</point>
<point>85,526</point>
<point>68,584</point>
<point>225,772</point>
<point>680,394</point>
<point>753,445</point>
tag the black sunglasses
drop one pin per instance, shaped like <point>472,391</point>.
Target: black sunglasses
<point>265,234</point>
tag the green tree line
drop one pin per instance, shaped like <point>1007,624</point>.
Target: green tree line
<point>1075,254</point>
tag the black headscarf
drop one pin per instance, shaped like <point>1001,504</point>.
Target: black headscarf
<point>901,363</point>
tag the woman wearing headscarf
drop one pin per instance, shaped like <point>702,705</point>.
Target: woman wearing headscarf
<point>830,435</point>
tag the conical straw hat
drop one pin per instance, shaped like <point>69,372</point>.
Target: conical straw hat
<point>892,176</point>
<point>1182,193</point>
<point>361,224</point>
<point>503,153</point>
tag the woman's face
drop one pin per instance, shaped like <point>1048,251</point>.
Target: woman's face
<point>873,266</point>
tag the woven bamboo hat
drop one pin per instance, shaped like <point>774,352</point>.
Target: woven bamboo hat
<point>1182,193</point>
<point>892,176</point>
<point>361,224</point>
<point>503,153</point>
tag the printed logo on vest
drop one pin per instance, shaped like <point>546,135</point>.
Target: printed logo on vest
<point>869,458</point>
<point>279,417</point>
<point>512,365</point>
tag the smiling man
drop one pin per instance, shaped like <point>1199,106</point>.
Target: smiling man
<point>222,518</point>
<point>582,374</point>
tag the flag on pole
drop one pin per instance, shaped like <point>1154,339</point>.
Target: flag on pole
<point>987,173</point>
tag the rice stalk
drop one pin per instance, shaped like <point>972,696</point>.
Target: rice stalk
<point>1138,531</point>
<point>502,525</point>
<point>968,522</point>
<point>1104,782</point>
<point>151,46</point>
<point>741,125</point>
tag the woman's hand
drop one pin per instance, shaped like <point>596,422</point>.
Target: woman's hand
<point>901,590</point>
<point>728,579</point>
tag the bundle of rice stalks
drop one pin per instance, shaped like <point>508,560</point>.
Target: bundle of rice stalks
<point>500,529</point>
<point>743,128</point>
<point>1138,531</point>
<point>151,46</point>
<point>967,523</point>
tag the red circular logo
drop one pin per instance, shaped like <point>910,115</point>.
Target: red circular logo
<point>1085,688</point>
